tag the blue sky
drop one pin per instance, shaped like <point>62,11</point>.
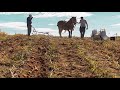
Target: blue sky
<point>15,22</point>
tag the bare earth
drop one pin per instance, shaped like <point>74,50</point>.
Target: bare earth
<point>40,56</point>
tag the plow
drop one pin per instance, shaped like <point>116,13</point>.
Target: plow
<point>35,32</point>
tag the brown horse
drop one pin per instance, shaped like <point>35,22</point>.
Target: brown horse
<point>69,26</point>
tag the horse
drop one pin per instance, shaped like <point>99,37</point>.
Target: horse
<point>67,26</point>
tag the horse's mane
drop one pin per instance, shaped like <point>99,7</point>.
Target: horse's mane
<point>70,20</point>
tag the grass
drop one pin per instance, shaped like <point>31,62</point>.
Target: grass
<point>40,56</point>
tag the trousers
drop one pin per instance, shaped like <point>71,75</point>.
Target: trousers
<point>29,29</point>
<point>82,31</point>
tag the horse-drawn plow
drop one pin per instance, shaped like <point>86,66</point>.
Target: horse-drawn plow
<point>35,32</point>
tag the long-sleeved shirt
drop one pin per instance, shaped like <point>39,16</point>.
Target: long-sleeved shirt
<point>29,21</point>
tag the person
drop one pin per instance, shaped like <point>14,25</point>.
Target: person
<point>29,22</point>
<point>83,25</point>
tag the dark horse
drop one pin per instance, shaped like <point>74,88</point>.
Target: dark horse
<point>69,26</point>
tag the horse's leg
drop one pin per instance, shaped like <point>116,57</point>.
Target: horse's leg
<point>60,30</point>
<point>69,34</point>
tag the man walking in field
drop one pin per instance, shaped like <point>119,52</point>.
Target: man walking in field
<point>29,22</point>
<point>83,25</point>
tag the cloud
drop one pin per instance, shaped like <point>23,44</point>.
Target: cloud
<point>116,16</point>
<point>62,14</point>
<point>14,25</point>
<point>22,26</point>
<point>51,24</point>
<point>11,13</point>
<point>118,24</point>
<point>50,14</point>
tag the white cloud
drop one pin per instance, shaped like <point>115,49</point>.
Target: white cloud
<point>118,24</point>
<point>51,24</point>
<point>62,14</point>
<point>50,14</point>
<point>22,26</point>
<point>116,16</point>
<point>14,25</point>
<point>9,13</point>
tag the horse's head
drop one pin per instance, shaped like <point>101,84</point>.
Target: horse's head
<point>74,21</point>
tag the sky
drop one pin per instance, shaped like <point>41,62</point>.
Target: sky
<point>15,22</point>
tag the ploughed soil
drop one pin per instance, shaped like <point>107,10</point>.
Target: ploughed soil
<point>40,56</point>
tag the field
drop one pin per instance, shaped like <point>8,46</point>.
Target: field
<point>40,56</point>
